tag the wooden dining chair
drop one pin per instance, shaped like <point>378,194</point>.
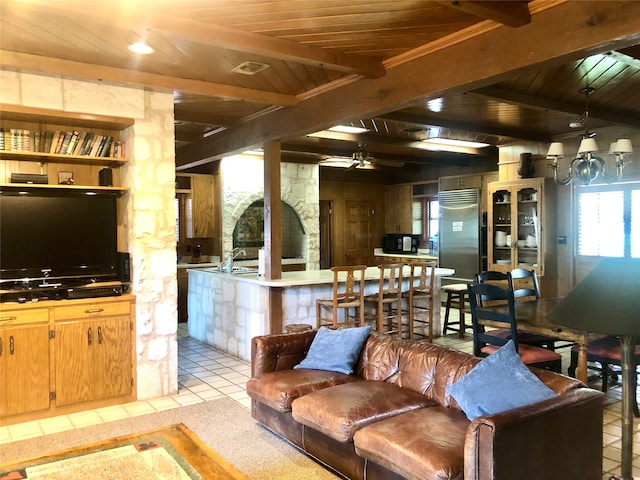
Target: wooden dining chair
<point>607,352</point>
<point>387,301</point>
<point>346,306</point>
<point>485,343</point>
<point>531,291</point>
<point>419,299</point>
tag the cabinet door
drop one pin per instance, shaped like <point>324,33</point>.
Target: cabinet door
<point>202,205</point>
<point>398,205</point>
<point>93,360</point>
<point>24,369</point>
<point>501,230</point>
<point>112,374</point>
<point>75,342</point>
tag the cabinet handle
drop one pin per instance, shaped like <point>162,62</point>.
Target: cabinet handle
<point>94,310</point>
<point>7,319</point>
<point>89,336</point>
<point>0,347</point>
<point>100,335</point>
<point>11,345</point>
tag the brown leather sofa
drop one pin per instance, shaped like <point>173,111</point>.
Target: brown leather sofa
<point>393,418</point>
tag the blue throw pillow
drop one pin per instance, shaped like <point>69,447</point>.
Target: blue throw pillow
<point>335,350</point>
<point>498,383</point>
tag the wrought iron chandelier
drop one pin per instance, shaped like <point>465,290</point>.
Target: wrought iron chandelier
<point>586,166</point>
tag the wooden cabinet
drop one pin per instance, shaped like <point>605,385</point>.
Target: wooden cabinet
<point>459,182</point>
<point>398,204</point>
<point>522,226</point>
<point>93,351</point>
<point>25,380</point>
<point>27,156</point>
<point>200,189</point>
<point>67,355</point>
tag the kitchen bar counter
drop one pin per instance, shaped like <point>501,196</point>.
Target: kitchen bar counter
<point>228,310</point>
<point>423,254</point>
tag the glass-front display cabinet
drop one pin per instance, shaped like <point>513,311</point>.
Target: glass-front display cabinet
<point>522,225</point>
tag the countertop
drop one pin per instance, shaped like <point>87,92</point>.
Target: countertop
<point>423,254</point>
<point>307,277</point>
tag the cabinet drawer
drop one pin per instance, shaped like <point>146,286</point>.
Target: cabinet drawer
<point>92,310</point>
<point>16,317</point>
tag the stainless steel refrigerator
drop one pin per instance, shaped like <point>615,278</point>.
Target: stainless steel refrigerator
<point>460,234</point>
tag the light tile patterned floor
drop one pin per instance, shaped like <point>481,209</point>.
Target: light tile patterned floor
<point>205,373</point>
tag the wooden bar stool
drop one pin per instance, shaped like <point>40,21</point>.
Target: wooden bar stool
<point>347,305</point>
<point>297,327</point>
<point>419,297</point>
<point>387,301</point>
<point>455,292</point>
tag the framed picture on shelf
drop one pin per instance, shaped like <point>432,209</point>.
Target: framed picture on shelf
<point>65,178</point>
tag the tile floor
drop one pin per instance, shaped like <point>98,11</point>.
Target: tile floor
<point>205,373</point>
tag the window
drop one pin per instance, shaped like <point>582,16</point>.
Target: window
<point>425,213</point>
<point>606,226</point>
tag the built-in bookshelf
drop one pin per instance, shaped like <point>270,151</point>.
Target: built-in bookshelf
<point>77,143</point>
<point>70,148</point>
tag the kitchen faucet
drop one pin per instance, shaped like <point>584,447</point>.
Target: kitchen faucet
<point>232,256</point>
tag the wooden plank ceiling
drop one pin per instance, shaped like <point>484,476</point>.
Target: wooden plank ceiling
<point>313,49</point>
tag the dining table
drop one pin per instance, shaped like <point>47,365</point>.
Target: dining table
<point>532,316</point>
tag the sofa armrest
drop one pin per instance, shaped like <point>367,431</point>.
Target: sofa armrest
<point>558,438</point>
<point>270,353</point>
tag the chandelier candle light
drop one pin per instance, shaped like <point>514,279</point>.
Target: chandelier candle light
<point>586,166</point>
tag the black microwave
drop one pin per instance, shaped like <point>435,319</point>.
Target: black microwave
<point>400,243</point>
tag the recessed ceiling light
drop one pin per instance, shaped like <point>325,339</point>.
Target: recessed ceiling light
<point>457,143</point>
<point>348,129</point>
<point>141,48</point>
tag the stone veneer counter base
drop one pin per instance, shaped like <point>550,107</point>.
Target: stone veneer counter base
<point>227,311</point>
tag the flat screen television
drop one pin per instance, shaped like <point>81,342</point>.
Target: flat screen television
<point>63,235</point>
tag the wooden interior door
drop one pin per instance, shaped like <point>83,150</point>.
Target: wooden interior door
<point>24,369</point>
<point>359,225</point>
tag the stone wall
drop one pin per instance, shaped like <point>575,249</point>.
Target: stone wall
<point>242,178</point>
<point>148,224</point>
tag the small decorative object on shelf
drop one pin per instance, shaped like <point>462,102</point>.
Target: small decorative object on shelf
<point>65,178</point>
<point>526,165</point>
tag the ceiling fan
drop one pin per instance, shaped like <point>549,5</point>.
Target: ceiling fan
<point>360,159</point>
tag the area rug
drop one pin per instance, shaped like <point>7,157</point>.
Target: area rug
<point>168,453</point>
<point>222,424</point>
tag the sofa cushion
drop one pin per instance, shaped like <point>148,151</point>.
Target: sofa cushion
<point>423,443</point>
<point>335,350</point>
<point>279,389</point>
<point>498,383</point>
<point>424,367</point>
<point>340,411</point>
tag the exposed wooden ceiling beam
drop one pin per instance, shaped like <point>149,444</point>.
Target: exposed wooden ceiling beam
<point>203,118</point>
<point>35,63</point>
<point>490,57</point>
<point>511,13</point>
<point>530,101</point>
<point>150,18</point>
<point>474,127</point>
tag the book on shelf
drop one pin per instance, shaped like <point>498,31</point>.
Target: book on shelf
<point>72,143</point>
<point>78,144</point>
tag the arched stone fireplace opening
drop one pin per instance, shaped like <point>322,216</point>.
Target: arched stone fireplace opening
<point>248,233</point>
